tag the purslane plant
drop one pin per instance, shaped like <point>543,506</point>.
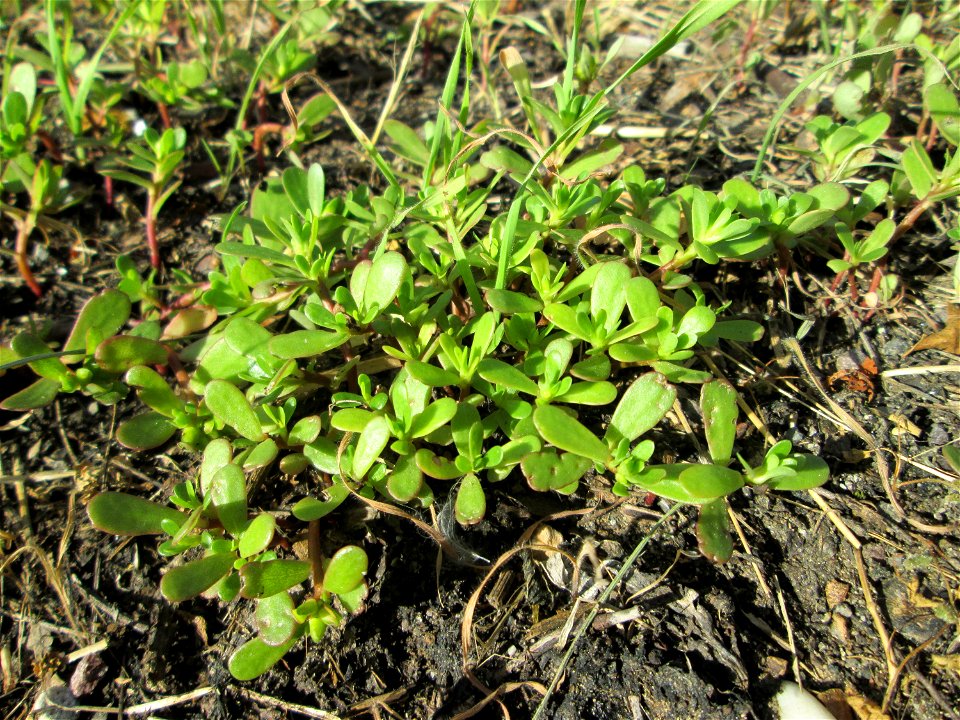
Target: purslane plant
<point>419,344</point>
<point>152,163</point>
<point>280,375</point>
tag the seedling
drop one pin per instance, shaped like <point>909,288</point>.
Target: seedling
<point>49,194</point>
<point>152,163</point>
<point>707,485</point>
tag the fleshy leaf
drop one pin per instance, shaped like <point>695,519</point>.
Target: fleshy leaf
<point>312,509</point>
<point>405,481</point>
<point>346,570</point>
<point>257,536</point>
<point>549,471</point>
<point>255,657</point>
<point>305,343</point>
<point>718,400</point>
<point>641,407</point>
<point>471,503</point>
<point>713,531</point>
<point>383,282</point>
<point>263,579</point>
<point>193,578</point>
<point>101,317</point>
<point>231,407</point>
<point>373,440</point>
<point>228,492</point>
<point>274,619</point>
<point>122,514</point>
<point>563,431</point>
<point>120,353</point>
<point>145,431</point>
<point>39,394</point>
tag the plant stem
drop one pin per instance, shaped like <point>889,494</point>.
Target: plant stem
<point>316,558</point>
<point>151,221</point>
<point>23,234</point>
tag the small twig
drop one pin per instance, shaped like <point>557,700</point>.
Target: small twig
<point>283,704</point>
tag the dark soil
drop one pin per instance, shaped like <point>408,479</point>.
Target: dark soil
<point>680,637</point>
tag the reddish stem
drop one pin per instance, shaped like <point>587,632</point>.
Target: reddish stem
<point>23,266</point>
<point>852,281</point>
<point>53,149</point>
<point>258,134</point>
<point>164,115</point>
<point>316,558</point>
<point>151,221</point>
<point>108,190</point>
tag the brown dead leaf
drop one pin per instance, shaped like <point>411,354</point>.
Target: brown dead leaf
<point>835,701</point>
<point>864,708</point>
<point>947,339</point>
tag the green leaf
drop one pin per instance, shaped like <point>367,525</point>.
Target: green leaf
<point>305,343</point>
<point>308,509</point>
<point>274,619</point>
<point>122,514</point>
<point>434,416</point>
<point>718,400</point>
<point>431,375</point>
<point>346,570</point>
<point>944,108</point>
<point>351,419</point>
<point>122,352</point>
<point>738,330</point>
<point>192,578</point>
<point>228,493</point>
<point>509,302</point>
<point>713,531</point>
<point>471,503</point>
<point>609,293</point>
<point>548,470</point>
<point>263,579</point>
<point>145,431</point>
<point>261,455</point>
<point>353,599</point>
<point>641,407</point>
<point>153,390</point>
<point>566,433</point>
<point>39,394</point>
<point>383,282</point>
<point>810,471</point>
<point>231,407</point>
<point>710,481</point>
<point>689,483</point>
<point>406,480</point>
<point>919,169</point>
<point>508,376</point>
<point>101,317</point>
<point>27,345</point>
<point>696,321</point>
<point>217,454</point>
<point>436,467</point>
<point>467,430</point>
<point>406,143</point>
<point>257,536</point>
<point>254,251</point>
<point>322,454</point>
<point>305,431</point>
<point>589,393</point>
<point>255,657</point>
<point>594,368</point>
<point>593,161</point>
<point>373,440</point>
